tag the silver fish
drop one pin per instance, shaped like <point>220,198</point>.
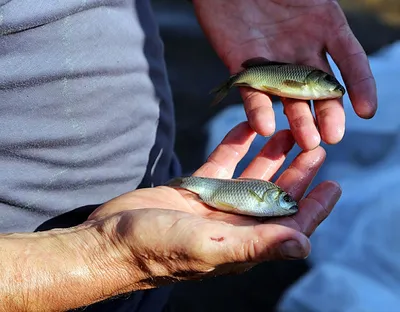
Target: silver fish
<point>282,79</point>
<point>240,196</point>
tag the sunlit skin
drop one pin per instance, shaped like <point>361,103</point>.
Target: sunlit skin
<point>149,237</point>
<point>207,226</point>
<point>293,31</point>
<point>154,236</point>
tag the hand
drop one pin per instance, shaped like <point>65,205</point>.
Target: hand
<point>172,235</point>
<point>294,31</point>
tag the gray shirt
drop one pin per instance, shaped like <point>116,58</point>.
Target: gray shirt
<point>86,108</point>
<point>84,101</point>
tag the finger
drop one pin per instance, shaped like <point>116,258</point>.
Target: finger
<point>353,64</point>
<point>301,123</point>
<point>271,157</point>
<point>315,208</point>
<point>259,111</point>
<point>298,176</point>
<point>254,244</point>
<point>331,120</point>
<point>329,114</point>
<point>223,160</point>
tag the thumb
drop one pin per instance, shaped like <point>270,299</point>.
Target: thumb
<point>257,243</point>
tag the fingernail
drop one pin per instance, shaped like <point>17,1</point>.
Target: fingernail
<point>292,249</point>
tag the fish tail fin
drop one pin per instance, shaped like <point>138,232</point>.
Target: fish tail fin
<point>189,183</point>
<point>222,90</point>
<point>175,182</point>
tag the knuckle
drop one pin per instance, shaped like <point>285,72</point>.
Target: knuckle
<point>249,252</point>
<point>324,112</point>
<point>294,224</point>
<point>359,80</point>
<point>299,122</point>
<point>253,251</point>
<point>320,214</point>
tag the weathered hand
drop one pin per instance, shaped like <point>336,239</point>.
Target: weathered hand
<point>172,235</point>
<point>294,31</point>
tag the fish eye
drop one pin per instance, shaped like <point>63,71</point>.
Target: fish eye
<point>330,78</point>
<point>287,198</point>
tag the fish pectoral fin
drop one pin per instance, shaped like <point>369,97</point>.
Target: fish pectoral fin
<point>259,61</point>
<point>294,84</point>
<point>255,196</point>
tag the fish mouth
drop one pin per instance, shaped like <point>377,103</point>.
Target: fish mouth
<point>294,209</point>
<point>340,89</point>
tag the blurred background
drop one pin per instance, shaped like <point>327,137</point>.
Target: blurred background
<point>352,266</point>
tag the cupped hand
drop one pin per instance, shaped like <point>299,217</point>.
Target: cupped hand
<point>173,235</point>
<point>294,31</point>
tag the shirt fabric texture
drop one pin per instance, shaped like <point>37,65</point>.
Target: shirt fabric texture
<point>86,114</point>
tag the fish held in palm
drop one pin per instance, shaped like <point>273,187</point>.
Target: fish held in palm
<point>250,197</point>
<point>285,80</point>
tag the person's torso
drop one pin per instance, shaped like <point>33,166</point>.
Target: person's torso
<point>85,107</point>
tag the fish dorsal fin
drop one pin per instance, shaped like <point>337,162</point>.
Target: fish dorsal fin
<point>258,61</point>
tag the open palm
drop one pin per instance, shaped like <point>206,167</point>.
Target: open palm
<point>221,164</point>
<point>295,31</point>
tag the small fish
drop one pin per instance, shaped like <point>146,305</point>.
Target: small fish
<point>250,197</point>
<point>282,79</point>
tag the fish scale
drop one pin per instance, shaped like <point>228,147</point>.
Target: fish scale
<point>284,80</point>
<point>234,192</point>
<point>274,75</point>
<point>242,196</point>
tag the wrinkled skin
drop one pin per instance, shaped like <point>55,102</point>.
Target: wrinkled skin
<point>174,236</point>
<point>294,31</point>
